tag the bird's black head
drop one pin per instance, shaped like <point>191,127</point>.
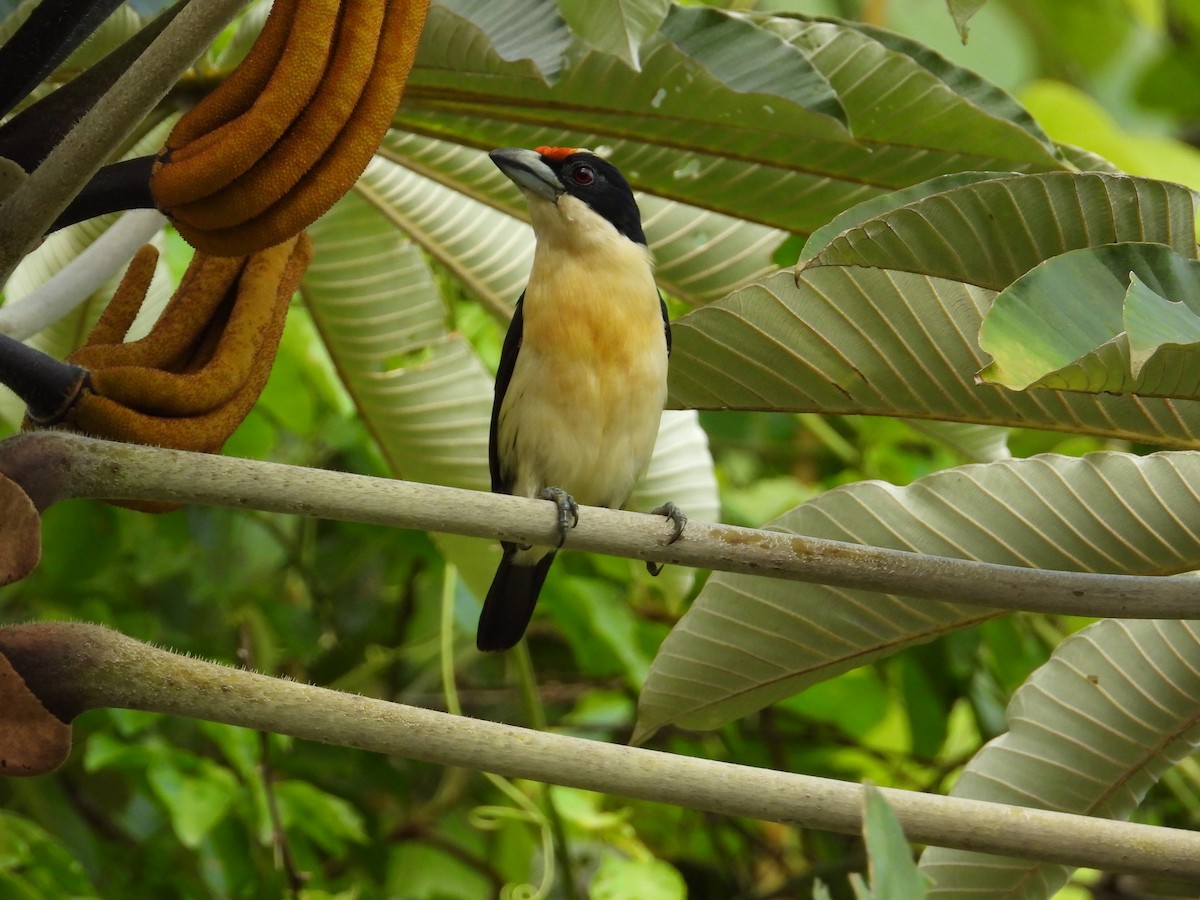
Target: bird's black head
<point>548,172</point>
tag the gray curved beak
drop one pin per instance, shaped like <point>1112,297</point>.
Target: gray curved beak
<point>528,172</point>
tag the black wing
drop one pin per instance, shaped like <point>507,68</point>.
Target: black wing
<point>666,321</point>
<point>508,361</point>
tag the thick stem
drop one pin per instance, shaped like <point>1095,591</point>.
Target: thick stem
<point>45,39</point>
<point>28,211</point>
<point>105,668</point>
<point>48,387</point>
<point>116,187</point>
<point>101,469</point>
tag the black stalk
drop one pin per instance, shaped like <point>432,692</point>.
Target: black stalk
<point>48,386</point>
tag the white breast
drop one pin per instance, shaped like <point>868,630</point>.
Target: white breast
<point>587,392</point>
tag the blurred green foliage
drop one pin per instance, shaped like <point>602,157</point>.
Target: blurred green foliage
<point>149,806</point>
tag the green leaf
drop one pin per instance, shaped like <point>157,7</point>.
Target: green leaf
<point>195,803</point>
<point>877,207</point>
<point>750,59</point>
<point>1114,708</point>
<point>524,31</point>
<point>35,864</point>
<point>748,641</point>
<point>636,879</point>
<point>961,11</point>
<point>975,443</point>
<point>990,232</point>
<point>329,821</point>
<point>894,875</point>
<point>1157,325</point>
<point>870,341</point>
<point>618,27</point>
<point>1064,324</point>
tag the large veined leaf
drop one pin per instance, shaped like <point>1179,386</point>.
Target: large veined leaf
<point>990,232</point>
<point>748,641</point>
<point>756,155</point>
<point>879,206</point>
<point>964,82</point>
<point>419,388</point>
<point>853,340</point>
<point>1122,318</point>
<point>488,251</point>
<point>700,255</point>
<point>1089,732</point>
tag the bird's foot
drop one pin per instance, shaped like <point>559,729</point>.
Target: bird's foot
<point>568,510</point>
<point>678,519</point>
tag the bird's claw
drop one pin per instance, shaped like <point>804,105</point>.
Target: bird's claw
<point>568,510</point>
<point>678,519</point>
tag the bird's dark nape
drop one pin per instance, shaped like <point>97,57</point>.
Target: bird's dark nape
<point>509,604</point>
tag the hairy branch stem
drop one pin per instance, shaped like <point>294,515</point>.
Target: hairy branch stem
<point>105,668</point>
<point>84,467</point>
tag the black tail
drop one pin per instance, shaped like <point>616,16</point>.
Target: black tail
<point>510,602</point>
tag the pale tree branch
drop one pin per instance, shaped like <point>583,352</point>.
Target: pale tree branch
<point>73,667</point>
<point>53,466</point>
<point>81,277</point>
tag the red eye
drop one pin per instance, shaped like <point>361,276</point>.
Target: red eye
<point>583,174</point>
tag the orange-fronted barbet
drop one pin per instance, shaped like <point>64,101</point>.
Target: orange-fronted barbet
<point>583,372</point>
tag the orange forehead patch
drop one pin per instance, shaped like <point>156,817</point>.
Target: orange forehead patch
<point>555,153</point>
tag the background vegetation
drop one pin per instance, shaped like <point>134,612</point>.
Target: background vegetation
<point>153,806</point>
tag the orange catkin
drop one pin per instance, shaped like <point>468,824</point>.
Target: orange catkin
<point>215,372</point>
<point>310,136</point>
<point>213,159</point>
<point>122,309</point>
<point>244,85</point>
<point>338,169</point>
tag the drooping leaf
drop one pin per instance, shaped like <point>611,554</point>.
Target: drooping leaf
<point>876,342</point>
<point>976,443</point>
<point>528,32</point>
<point>486,249</point>
<point>750,59</point>
<point>1115,707</point>
<point>1156,325</point>
<point>748,641</point>
<point>962,11</point>
<point>966,83</point>
<point>618,27</point>
<point>1064,325</point>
